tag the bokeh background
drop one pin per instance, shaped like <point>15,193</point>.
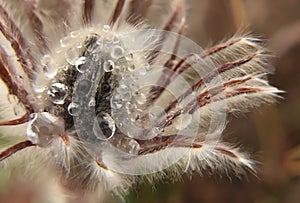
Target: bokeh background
<point>271,134</point>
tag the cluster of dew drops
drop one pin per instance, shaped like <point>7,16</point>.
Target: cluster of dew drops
<point>127,100</point>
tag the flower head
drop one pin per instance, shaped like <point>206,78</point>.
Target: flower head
<point>105,95</point>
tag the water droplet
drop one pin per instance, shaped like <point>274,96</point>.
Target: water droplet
<point>134,146</point>
<point>79,45</point>
<point>129,57</point>
<point>79,64</point>
<point>117,52</point>
<point>183,121</point>
<point>104,126</point>
<point>141,99</point>
<point>108,66</point>
<point>38,88</point>
<point>124,92</point>
<point>142,71</point>
<point>106,28</point>
<point>156,114</point>
<point>131,67</point>
<point>57,93</point>
<point>71,56</point>
<point>154,132</point>
<point>92,102</point>
<point>49,67</point>
<point>66,41</point>
<point>136,115</point>
<point>95,57</point>
<point>73,109</point>
<point>75,34</point>
<point>116,102</point>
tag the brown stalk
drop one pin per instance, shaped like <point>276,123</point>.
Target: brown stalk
<point>15,148</point>
<point>37,25</point>
<point>167,27</point>
<point>134,14</point>
<point>12,33</point>
<point>209,76</point>
<point>87,11</point>
<point>13,87</point>
<point>166,78</point>
<point>21,120</point>
<point>117,11</point>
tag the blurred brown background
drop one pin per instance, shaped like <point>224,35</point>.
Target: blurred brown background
<point>272,133</point>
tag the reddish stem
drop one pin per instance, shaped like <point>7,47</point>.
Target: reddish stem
<point>15,148</point>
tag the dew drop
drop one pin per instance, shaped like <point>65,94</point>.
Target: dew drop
<point>66,41</point>
<point>142,71</point>
<point>73,109</point>
<point>38,88</point>
<point>154,132</point>
<point>108,66</point>
<point>124,92</point>
<point>104,126</point>
<point>92,102</point>
<point>75,34</point>
<point>134,146</point>
<point>106,28</point>
<point>131,67</point>
<point>71,56</point>
<point>141,99</point>
<point>129,57</point>
<point>79,64</point>
<point>156,114</point>
<point>117,52</point>
<point>49,68</point>
<point>57,93</point>
<point>95,57</point>
<point>116,102</point>
<point>183,121</point>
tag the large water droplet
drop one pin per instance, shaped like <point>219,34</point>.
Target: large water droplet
<point>134,146</point>
<point>116,102</point>
<point>131,67</point>
<point>79,64</point>
<point>156,114</point>
<point>108,66</point>
<point>92,103</point>
<point>57,93</point>
<point>141,99</point>
<point>66,41</point>
<point>183,121</point>
<point>106,28</point>
<point>104,126</point>
<point>71,56</point>
<point>117,52</point>
<point>75,34</point>
<point>129,57</point>
<point>124,92</point>
<point>49,67</point>
<point>73,109</point>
